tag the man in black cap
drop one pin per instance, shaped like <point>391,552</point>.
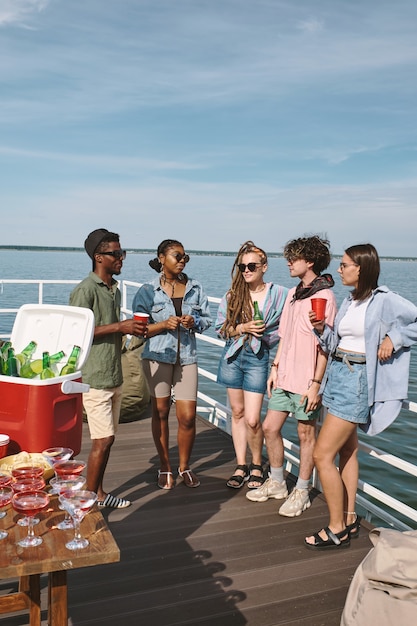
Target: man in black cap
<point>103,368</point>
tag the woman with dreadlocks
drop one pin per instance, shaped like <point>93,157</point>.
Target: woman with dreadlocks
<point>243,367</point>
<point>177,308</point>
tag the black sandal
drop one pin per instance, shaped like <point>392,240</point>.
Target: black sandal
<point>354,528</point>
<point>236,481</point>
<point>256,479</point>
<point>334,540</point>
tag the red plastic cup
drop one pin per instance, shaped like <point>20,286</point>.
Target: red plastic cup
<point>319,307</point>
<point>4,442</point>
<point>141,317</point>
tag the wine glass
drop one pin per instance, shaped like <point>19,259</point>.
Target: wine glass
<point>73,466</point>
<point>71,482</point>
<point>30,503</point>
<point>6,494</point>
<point>5,479</point>
<point>55,455</point>
<point>20,485</point>
<point>27,471</point>
<point>78,504</point>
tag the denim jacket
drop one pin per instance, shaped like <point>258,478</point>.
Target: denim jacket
<point>387,314</point>
<point>163,347</point>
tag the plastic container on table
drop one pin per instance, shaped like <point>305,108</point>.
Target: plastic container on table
<point>39,414</point>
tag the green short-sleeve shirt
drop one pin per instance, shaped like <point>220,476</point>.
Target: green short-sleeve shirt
<point>103,368</point>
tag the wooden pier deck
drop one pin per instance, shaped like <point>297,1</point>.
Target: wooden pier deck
<point>204,556</point>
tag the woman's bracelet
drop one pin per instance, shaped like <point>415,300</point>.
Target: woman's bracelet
<point>314,380</point>
<point>274,364</point>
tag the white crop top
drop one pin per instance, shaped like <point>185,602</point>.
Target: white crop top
<point>352,327</point>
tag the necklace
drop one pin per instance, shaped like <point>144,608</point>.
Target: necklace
<point>172,284</point>
<point>258,290</point>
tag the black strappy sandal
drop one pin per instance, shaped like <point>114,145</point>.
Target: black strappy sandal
<point>259,480</point>
<point>236,481</point>
<point>334,540</point>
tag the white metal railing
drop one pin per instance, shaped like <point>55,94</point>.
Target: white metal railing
<point>220,415</point>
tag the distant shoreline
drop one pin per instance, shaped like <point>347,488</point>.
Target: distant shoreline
<point>152,251</point>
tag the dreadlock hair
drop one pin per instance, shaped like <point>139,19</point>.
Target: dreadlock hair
<point>165,245</point>
<point>239,303</point>
<point>312,249</point>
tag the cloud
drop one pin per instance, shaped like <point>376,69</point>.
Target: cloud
<point>221,216</point>
<point>19,12</point>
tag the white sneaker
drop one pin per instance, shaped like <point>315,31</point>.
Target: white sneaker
<point>270,489</point>
<point>297,502</point>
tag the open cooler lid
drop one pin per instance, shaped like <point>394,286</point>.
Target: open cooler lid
<point>54,327</point>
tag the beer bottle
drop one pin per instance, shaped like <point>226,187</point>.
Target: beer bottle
<point>26,353</point>
<point>33,368</point>
<point>257,315</point>
<point>10,366</point>
<point>46,367</point>
<point>70,366</point>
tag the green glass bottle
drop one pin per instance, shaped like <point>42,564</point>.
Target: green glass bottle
<point>10,365</point>
<point>26,353</point>
<point>34,368</point>
<point>257,315</point>
<point>46,367</point>
<point>71,365</point>
<point>4,348</point>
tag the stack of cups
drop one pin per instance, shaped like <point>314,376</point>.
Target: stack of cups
<point>4,442</point>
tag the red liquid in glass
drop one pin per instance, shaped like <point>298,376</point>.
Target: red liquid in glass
<point>27,484</point>
<point>65,468</point>
<point>5,480</point>
<point>30,503</point>
<point>27,471</point>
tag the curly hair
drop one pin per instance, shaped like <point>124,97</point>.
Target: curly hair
<point>313,249</point>
<point>239,303</point>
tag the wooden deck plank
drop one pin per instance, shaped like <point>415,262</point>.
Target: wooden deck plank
<point>205,556</point>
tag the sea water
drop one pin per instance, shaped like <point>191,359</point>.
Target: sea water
<point>214,272</point>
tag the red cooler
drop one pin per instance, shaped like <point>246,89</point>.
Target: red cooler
<point>39,414</point>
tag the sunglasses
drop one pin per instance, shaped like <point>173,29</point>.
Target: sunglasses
<point>180,257</point>
<point>251,267</point>
<point>342,266</point>
<point>117,254</point>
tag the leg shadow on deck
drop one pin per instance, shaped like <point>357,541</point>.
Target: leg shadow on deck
<point>205,556</point>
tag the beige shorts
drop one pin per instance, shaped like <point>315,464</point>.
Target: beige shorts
<point>102,407</point>
<point>162,376</point>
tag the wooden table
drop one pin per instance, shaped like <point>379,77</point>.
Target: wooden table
<point>51,557</point>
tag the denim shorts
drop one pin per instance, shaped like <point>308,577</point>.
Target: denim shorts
<point>346,392</point>
<point>289,402</point>
<point>245,369</point>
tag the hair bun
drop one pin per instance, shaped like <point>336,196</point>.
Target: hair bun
<point>156,264</point>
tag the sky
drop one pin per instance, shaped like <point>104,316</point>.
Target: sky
<point>209,121</point>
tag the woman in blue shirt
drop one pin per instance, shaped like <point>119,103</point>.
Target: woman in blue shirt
<point>177,309</point>
<point>365,382</point>
<point>243,367</point>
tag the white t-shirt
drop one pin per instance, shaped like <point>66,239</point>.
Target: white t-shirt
<point>352,327</point>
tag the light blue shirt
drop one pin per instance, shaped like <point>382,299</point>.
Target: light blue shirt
<point>387,314</point>
<point>163,347</point>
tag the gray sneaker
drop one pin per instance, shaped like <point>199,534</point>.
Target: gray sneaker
<point>270,489</point>
<point>297,502</point>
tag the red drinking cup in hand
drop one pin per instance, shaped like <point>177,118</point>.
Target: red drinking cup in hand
<point>318,305</point>
<point>141,317</point>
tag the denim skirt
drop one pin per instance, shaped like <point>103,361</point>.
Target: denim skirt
<point>346,392</point>
<point>245,369</point>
